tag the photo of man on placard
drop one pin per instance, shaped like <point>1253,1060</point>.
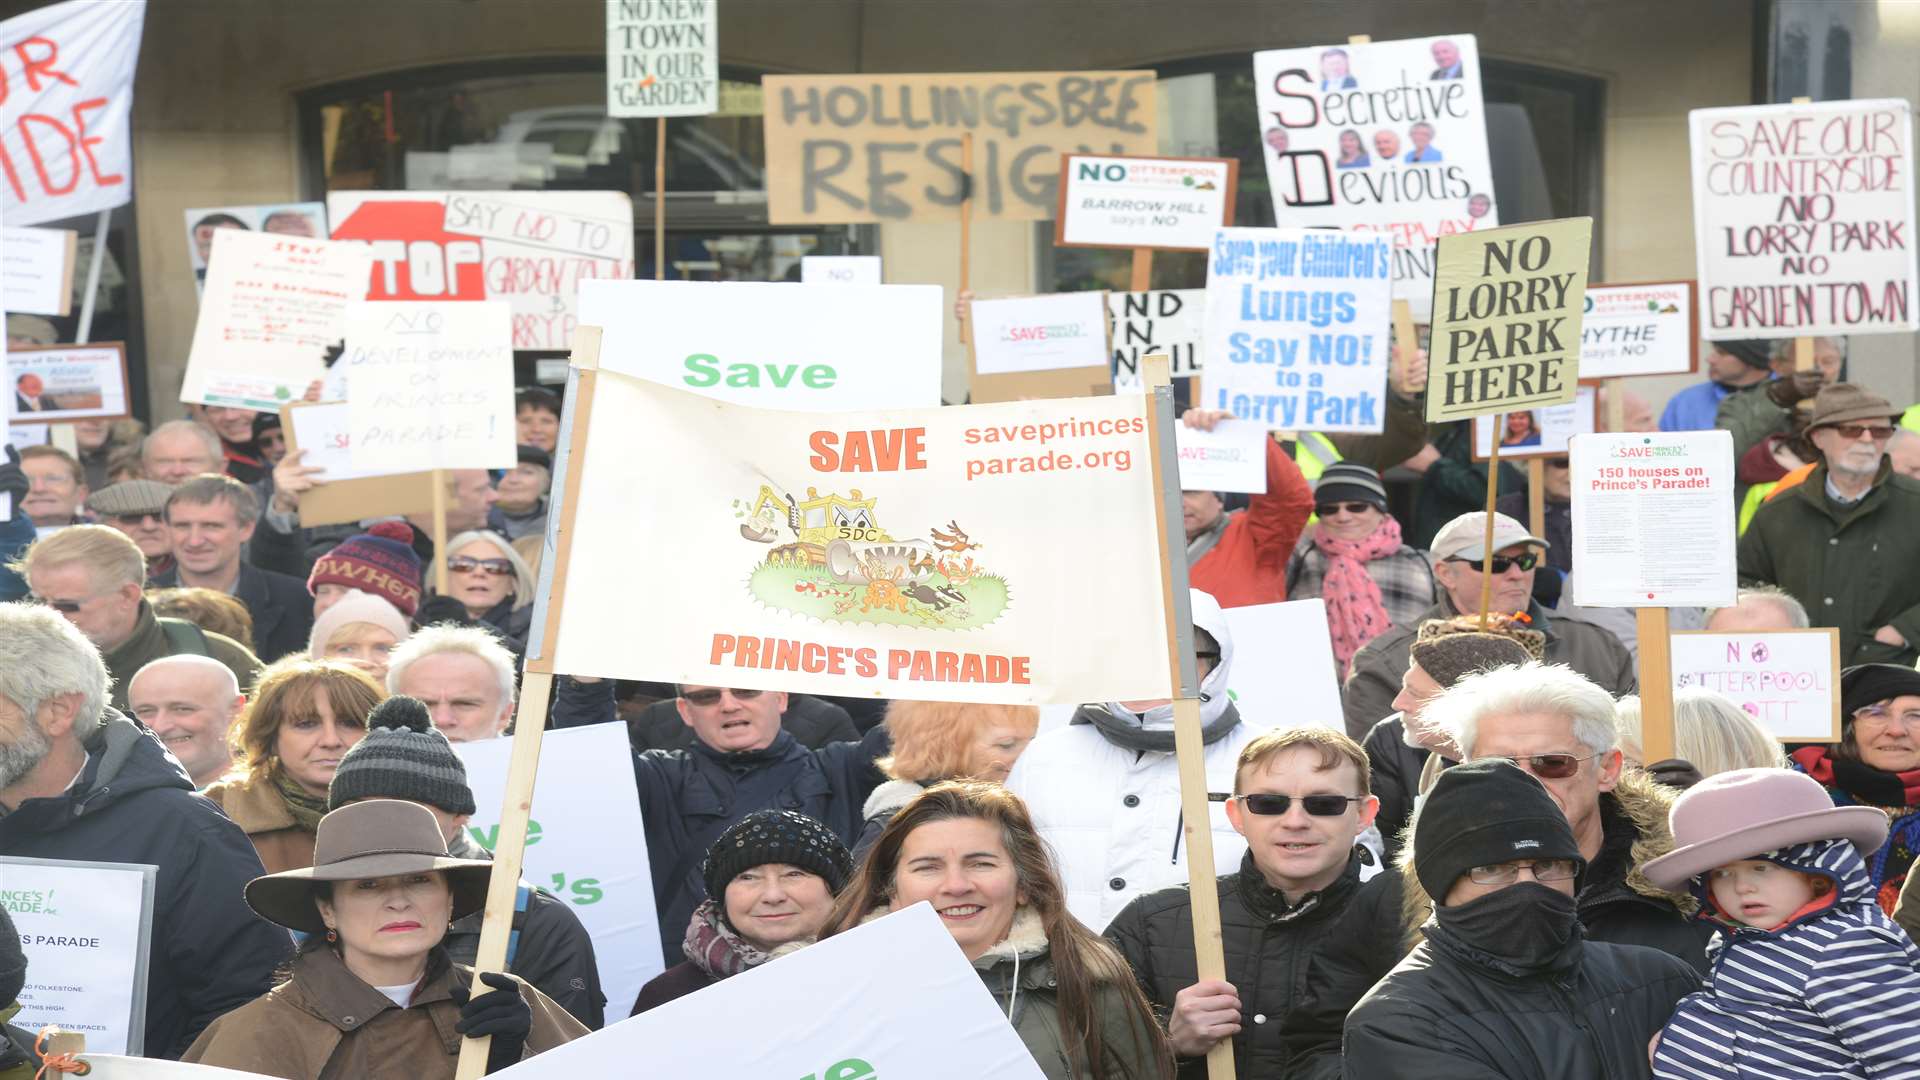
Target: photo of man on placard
<point>1447,56</point>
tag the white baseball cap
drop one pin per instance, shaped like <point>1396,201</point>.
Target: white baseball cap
<point>1465,536</point>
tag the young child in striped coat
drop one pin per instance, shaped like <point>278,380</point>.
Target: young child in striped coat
<point>1810,978</point>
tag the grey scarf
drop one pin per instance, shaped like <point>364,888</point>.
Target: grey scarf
<point>1204,543</point>
<point>1131,734</point>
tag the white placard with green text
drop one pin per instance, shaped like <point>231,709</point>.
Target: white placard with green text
<point>85,928</point>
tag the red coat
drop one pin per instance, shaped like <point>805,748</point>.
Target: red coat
<point>1249,564</point>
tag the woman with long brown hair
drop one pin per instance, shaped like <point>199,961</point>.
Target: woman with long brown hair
<point>970,849</point>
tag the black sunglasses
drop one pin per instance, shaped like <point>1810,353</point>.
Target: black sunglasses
<point>1330,509</point>
<point>1501,563</point>
<point>1316,805</point>
<point>712,697</point>
<point>65,607</point>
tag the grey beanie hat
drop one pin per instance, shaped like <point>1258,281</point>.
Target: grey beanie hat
<point>403,756</point>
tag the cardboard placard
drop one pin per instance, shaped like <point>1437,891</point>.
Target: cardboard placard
<point>85,928</point>
<point>66,118</point>
<point>1787,680</point>
<point>1803,219</point>
<point>1297,328</point>
<point>663,57</point>
<point>308,219</point>
<point>36,270</point>
<point>1056,345</point>
<point>68,383</point>
<point>1653,519</point>
<point>840,270</point>
<point>1341,130</point>
<point>871,148</point>
<point>532,249</point>
<point>1550,429</point>
<point>1231,457</point>
<point>430,385</point>
<point>775,345</point>
<point>1507,307</point>
<point>1284,673</point>
<point>347,494</point>
<point>1170,321</point>
<point>1645,328</point>
<point>1144,202</point>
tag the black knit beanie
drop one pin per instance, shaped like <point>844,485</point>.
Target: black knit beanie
<point>1344,480</point>
<point>1870,684</point>
<point>13,961</point>
<point>1483,813</point>
<point>402,757</point>
<point>1754,352</point>
<point>776,836</point>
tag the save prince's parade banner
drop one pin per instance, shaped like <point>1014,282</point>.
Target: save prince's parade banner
<point>1004,553</point>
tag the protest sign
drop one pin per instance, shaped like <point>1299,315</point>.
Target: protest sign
<point>347,493</point>
<point>1787,680</point>
<point>532,249</point>
<point>1039,346</point>
<point>37,268</point>
<point>1803,218</point>
<point>85,928</point>
<point>663,57</point>
<point>69,382</point>
<point>584,793</point>
<point>810,348</point>
<point>1231,457</point>
<point>1506,319</point>
<point>1650,328</point>
<point>1383,136</point>
<point>308,219</point>
<point>1144,202</point>
<point>930,1018</point>
<point>1170,321</point>
<point>118,1067</point>
<point>872,148</point>
<point>274,306</point>
<point>1538,433</point>
<point>840,270</point>
<point>1297,323</point>
<point>430,385</point>
<point>1285,675</point>
<point>933,553</point>
<point>65,118</point>
<point>1653,519</point>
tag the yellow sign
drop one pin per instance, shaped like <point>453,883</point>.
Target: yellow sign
<point>1507,307</point>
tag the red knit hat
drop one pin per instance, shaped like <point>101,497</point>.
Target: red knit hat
<point>380,561</point>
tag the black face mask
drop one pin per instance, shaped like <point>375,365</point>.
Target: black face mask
<point>1526,927</point>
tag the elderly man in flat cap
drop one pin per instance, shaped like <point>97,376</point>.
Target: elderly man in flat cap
<point>139,509</point>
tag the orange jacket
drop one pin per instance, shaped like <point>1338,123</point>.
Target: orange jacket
<point>1249,563</point>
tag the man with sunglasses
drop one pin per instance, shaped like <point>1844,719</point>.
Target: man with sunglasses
<point>139,509</point>
<point>1460,566</point>
<point>1506,983</point>
<point>1845,541</point>
<point>1300,797</point>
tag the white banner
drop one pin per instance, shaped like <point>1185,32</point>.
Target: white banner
<point>430,385</point>
<point>1039,333</point>
<point>1231,457</point>
<point>1803,219</point>
<point>1284,672</point>
<point>1171,321</point>
<point>1144,202</point>
<point>942,554</point>
<point>37,265</point>
<point>893,998</point>
<point>66,114</point>
<point>85,928</point>
<point>1653,519</point>
<point>1787,680</point>
<point>586,843</point>
<point>1387,137</point>
<point>806,348</point>
<point>1297,323</point>
<point>114,1067</point>
<point>840,270</point>
<point>663,57</point>
<point>1645,329</point>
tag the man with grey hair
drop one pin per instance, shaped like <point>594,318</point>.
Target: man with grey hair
<point>189,702</point>
<point>81,782</point>
<point>179,449</point>
<point>1759,608</point>
<point>210,519</point>
<point>463,674</point>
<point>1903,450</point>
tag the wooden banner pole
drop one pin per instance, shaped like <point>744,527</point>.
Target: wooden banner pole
<point>660,199</point>
<point>440,531</point>
<point>1537,497</point>
<point>536,688</point>
<point>1493,492</point>
<point>1616,394</point>
<point>1142,278</point>
<point>1189,747</point>
<point>1656,684</point>
<point>1406,342</point>
<point>966,232</point>
<point>1803,354</point>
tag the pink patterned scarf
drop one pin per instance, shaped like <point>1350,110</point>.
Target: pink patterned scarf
<point>1355,613</point>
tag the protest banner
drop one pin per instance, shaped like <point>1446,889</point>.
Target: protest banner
<point>840,270</point>
<point>69,382</point>
<point>532,249</point>
<point>1379,136</point>
<point>320,431</point>
<point>117,1067</point>
<point>65,118</point>
<point>584,794</point>
<point>930,1018</point>
<point>308,219</point>
<point>1648,328</point>
<point>1231,457</point>
<point>1545,433</point>
<point>810,348</point>
<point>273,308</point>
<point>1787,680</point>
<point>1144,202</point>
<point>1296,328</point>
<point>36,266</point>
<point>1294,681</point>
<point>1055,345</point>
<point>429,385</point>
<point>1804,219</point>
<point>663,57</point>
<point>1170,321</point>
<point>85,928</point>
<point>844,149</point>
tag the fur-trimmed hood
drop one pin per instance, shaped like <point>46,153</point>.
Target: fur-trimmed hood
<point>889,797</point>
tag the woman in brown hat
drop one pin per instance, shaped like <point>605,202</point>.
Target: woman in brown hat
<point>370,993</point>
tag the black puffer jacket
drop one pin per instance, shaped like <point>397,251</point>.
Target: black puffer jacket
<point>1268,946</point>
<point>812,723</point>
<point>1396,778</point>
<point>1448,1013</point>
<point>1370,942</point>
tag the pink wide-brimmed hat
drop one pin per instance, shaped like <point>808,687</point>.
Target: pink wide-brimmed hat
<point>1748,812</point>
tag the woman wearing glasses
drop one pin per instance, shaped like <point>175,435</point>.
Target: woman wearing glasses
<point>1877,763</point>
<point>495,585</point>
<point>1353,558</point>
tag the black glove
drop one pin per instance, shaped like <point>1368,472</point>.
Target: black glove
<point>438,609</point>
<point>1675,773</point>
<point>501,1013</point>
<point>13,481</point>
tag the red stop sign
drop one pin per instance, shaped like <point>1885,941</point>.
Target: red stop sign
<point>414,256</point>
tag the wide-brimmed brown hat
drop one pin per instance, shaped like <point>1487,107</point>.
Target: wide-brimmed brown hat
<point>1843,402</point>
<point>372,839</point>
